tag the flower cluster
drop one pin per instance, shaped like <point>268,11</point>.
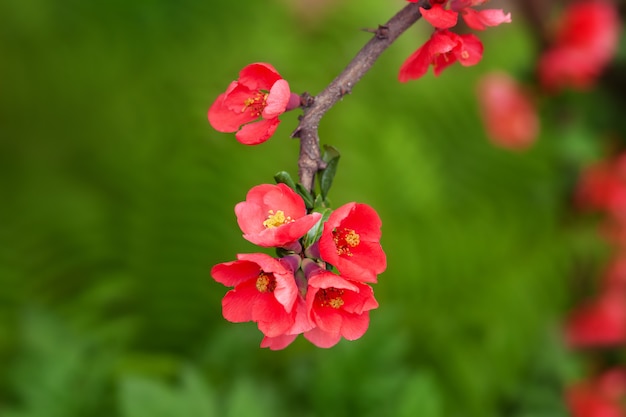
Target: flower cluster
<point>584,42</point>
<point>445,47</point>
<point>318,286</point>
<point>251,105</point>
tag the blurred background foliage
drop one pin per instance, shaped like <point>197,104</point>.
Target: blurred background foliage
<point>117,198</point>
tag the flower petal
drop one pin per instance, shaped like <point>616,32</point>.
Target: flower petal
<point>257,132</point>
<point>480,20</point>
<point>439,17</point>
<point>277,100</point>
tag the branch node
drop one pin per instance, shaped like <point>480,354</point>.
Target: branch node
<point>307,100</point>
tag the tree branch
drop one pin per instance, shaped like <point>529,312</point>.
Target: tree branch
<point>310,161</point>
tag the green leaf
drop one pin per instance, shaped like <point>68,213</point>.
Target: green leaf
<point>316,231</point>
<point>331,157</point>
<point>308,198</point>
<point>283,177</point>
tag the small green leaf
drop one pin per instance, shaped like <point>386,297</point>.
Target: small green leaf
<point>283,177</point>
<point>331,157</point>
<point>308,198</point>
<point>316,231</point>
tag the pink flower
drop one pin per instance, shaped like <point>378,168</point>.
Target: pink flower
<point>274,215</point>
<point>260,92</point>
<point>338,308</point>
<point>265,292</point>
<point>508,113</point>
<point>599,397</point>
<point>584,43</point>
<point>443,49</point>
<point>442,18</point>
<point>351,242</point>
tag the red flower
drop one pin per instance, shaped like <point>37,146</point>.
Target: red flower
<point>442,18</point>
<point>600,323</point>
<point>585,42</point>
<point>508,113</point>
<point>443,49</point>
<point>265,292</point>
<point>274,215</point>
<point>338,308</point>
<point>600,397</point>
<point>259,92</point>
<point>351,242</point>
<point>301,324</point>
<point>603,186</point>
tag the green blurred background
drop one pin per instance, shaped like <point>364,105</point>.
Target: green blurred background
<point>116,198</point>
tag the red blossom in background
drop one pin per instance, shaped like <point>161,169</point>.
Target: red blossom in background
<point>273,216</point>
<point>351,242</point>
<point>265,292</point>
<point>584,43</point>
<point>508,113</point>
<point>599,323</point>
<point>338,308</point>
<point>260,92</point>
<point>600,397</point>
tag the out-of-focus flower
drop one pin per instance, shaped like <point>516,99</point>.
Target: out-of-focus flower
<point>602,322</point>
<point>599,397</point>
<point>265,292</point>
<point>260,92</point>
<point>584,43</point>
<point>351,242</point>
<point>338,308</point>
<point>273,216</point>
<point>509,114</point>
<point>602,186</point>
<point>443,49</point>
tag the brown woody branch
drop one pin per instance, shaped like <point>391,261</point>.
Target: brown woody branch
<point>310,160</point>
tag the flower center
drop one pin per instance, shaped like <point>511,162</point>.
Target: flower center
<point>276,219</point>
<point>330,297</point>
<point>255,104</point>
<point>345,240</point>
<point>266,282</point>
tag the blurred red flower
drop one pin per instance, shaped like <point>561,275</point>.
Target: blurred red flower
<point>601,322</point>
<point>600,397</point>
<point>260,92</point>
<point>273,216</point>
<point>509,114</point>
<point>585,41</point>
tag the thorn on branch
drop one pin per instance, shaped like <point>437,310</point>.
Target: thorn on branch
<point>382,32</point>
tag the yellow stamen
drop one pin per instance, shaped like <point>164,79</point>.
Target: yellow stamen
<point>345,240</point>
<point>330,297</point>
<point>266,282</point>
<point>276,219</point>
